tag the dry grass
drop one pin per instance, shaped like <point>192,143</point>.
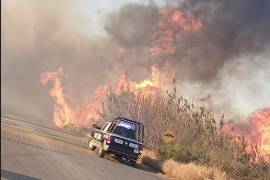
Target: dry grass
<point>182,171</point>
<point>149,153</point>
<point>191,171</point>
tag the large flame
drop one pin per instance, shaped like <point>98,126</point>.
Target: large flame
<point>260,132</point>
<point>63,114</point>
<point>145,87</point>
<point>256,133</point>
<point>88,112</point>
<point>172,25</point>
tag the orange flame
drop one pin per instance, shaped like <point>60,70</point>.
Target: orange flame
<point>145,87</point>
<point>88,112</point>
<point>256,133</point>
<point>63,114</point>
<point>260,132</point>
<point>173,24</point>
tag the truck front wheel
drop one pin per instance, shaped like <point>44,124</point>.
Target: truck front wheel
<point>91,146</point>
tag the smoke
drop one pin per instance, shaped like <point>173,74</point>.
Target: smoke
<point>40,36</point>
<point>230,30</point>
<point>133,25</point>
<point>231,52</point>
<point>240,87</point>
<point>245,83</point>
<point>227,58</point>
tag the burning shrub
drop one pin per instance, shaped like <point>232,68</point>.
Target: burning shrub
<point>194,125</point>
<point>190,123</point>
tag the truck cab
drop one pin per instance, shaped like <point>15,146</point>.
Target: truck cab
<point>122,137</point>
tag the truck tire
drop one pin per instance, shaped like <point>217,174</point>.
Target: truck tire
<point>90,145</point>
<point>132,162</point>
<point>101,152</point>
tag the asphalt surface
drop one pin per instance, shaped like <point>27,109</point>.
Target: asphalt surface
<point>29,153</point>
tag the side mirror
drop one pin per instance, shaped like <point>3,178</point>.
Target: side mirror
<point>95,126</point>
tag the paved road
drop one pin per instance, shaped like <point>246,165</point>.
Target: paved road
<point>28,153</point>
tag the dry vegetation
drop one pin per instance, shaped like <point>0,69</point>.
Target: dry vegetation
<point>197,145</point>
<point>184,171</point>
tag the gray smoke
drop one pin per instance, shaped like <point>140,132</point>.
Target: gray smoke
<point>227,58</point>
<point>231,51</point>
<point>230,29</point>
<point>39,36</point>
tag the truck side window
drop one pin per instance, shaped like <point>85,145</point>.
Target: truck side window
<point>108,124</point>
<point>112,127</point>
<point>104,126</point>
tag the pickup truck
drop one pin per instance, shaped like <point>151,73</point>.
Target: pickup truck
<point>122,137</point>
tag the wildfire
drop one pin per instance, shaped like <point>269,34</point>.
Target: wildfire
<point>260,132</point>
<point>84,114</point>
<point>172,25</point>
<point>63,114</point>
<point>156,81</point>
<point>89,111</point>
<point>145,87</point>
<point>256,133</point>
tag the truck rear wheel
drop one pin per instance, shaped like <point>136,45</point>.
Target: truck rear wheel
<point>132,162</point>
<point>101,152</point>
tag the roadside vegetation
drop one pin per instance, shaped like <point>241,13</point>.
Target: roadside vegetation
<point>185,135</point>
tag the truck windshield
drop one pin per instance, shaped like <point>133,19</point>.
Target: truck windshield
<point>125,132</point>
<point>127,129</point>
